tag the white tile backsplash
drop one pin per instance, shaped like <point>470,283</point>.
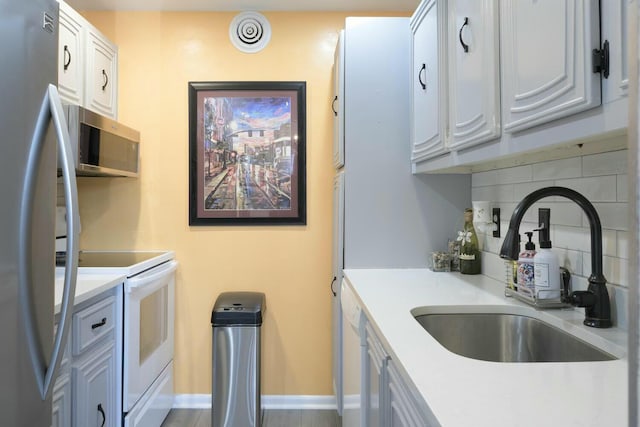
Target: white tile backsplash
<point>558,169</point>
<point>612,163</point>
<point>602,179</point>
<point>596,189</point>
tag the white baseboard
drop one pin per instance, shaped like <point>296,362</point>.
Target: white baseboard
<point>203,401</point>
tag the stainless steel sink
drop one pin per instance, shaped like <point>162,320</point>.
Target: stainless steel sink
<point>500,337</point>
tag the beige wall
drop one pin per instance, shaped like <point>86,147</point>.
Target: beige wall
<point>159,53</point>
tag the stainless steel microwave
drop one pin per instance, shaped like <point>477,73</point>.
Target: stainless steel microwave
<point>101,146</point>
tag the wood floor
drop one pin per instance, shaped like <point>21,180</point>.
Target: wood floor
<point>272,418</point>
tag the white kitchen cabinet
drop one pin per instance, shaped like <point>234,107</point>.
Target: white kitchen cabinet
<point>337,103</point>
<point>546,48</point>
<point>403,409</point>
<point>474,72</point>
<point>377,404</point>
<point>614,15</point>
<point>551,102</point>
<point>87,64</point>
<point>71,55</point>
<point>101,74</point>
<point>61,401</point>
<point>94,384</point>
<point>428,80</point>
<point>337,267</point>
<point>88,389</point>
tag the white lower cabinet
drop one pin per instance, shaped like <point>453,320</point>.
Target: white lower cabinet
<point>388,400</point>
<point>403,410</point>
<point>88,389</point>
<point>62,401</point>
<point>94,384</point>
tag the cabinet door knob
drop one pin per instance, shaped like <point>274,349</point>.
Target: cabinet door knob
<point>106,79</point>
<point>464,24</point>
<point>423,83</point>
<point>104,417</point>
<point>66,57</point>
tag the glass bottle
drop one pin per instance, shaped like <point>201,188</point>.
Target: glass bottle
<point>470,262</point>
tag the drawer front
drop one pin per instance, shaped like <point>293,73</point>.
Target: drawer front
<point>93,324</point>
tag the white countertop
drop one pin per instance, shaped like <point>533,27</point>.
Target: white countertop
<point>87,286</point>
<point>466,392</point>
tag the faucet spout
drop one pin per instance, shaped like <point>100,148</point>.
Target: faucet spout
<point>597,305</point>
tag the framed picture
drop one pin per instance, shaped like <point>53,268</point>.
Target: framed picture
<point>247,153</point>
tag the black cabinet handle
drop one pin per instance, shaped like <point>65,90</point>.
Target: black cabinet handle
<point>423,83</point>
<point>464,24</point>
<point>104,417</point>
<point>333,106</point>
<point>100,323</point>
<point>106,80</point>
<point>66,54</point>
<point>332,282</point>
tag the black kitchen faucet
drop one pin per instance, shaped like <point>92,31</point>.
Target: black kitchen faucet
<point>595,299</point>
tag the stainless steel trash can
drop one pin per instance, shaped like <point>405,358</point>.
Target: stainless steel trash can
<point>236,320</point>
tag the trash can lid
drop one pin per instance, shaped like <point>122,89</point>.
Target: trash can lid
<point>239,308</point>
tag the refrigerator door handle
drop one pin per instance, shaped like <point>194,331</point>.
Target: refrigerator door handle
<point>50,111</point>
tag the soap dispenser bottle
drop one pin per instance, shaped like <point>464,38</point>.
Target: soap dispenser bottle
<point>525,272</point>
<point>546,269</point>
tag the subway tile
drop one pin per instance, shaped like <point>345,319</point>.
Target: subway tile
<point>558,169</point>
<point>480,179</point>
<point>622,249</point>
<point>493,266</point>
<point>595,189</point>
<point>611,163</point>
<point>612,215</point>
<point>494,193</point>
<point>523,189</point>
<point>619,306</point>
<point>622,188</point>
<point>615,270</point>
<point>571,260</point>
<point>515,175</point>
<point>579,238</point>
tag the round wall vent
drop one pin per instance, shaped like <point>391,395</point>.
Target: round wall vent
<point>250,32</point>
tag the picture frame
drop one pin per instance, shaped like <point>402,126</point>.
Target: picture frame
<point>247,153</point>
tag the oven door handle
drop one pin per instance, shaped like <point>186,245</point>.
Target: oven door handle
<point>143,280</point>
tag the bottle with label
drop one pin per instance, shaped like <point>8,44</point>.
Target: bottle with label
<point>546,270</point>
<point>525,271</point>
<point>470,262</point>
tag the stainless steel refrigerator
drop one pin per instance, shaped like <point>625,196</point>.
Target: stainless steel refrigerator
<point>33,134</point>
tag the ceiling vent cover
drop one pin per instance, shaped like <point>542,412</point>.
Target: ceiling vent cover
<point>250,32</point>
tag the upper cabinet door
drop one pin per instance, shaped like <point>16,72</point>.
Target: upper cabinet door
<point>70,56</point>
<point>546,48</point>
<point>474,70</point>
<point>102,74</point>
<point>428,74</point>
<point>337,103</point>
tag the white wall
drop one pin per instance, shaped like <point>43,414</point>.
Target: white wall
<point>601,178</point>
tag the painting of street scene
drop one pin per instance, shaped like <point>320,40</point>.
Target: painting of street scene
<point>248,154</point>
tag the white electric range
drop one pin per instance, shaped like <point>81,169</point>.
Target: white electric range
<point>149,310</point>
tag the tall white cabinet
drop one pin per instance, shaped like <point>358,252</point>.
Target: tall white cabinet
<point>384,217</point>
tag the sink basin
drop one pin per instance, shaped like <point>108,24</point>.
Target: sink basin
<point>501,337</point>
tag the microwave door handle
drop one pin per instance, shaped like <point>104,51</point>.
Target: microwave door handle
<point>50,110</point>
